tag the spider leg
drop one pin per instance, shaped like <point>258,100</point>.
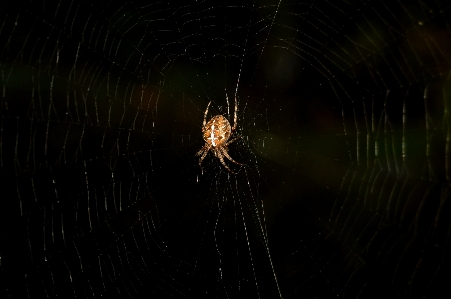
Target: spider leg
<point>235,117</point>
<point>226,154</point>
<point>220,155</point>
<point>205,114</point>
<point>204,151</point>
<point>234,139</point>
<point>200,152</point>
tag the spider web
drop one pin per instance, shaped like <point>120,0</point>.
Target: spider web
<point>344,117</point>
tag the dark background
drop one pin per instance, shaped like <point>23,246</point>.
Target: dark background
<point>344,112</point>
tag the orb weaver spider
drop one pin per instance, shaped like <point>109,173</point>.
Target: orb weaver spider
<point>216,134</point>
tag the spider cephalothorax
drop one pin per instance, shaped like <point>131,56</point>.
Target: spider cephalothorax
<point>216,134</point>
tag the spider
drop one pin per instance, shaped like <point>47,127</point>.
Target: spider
<point>216,133</point>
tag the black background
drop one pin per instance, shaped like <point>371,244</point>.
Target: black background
<point>344,113</point>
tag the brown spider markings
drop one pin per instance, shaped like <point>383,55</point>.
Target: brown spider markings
<point>216,134</point>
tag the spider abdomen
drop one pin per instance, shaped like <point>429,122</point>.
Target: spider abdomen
<point>217,131</point>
